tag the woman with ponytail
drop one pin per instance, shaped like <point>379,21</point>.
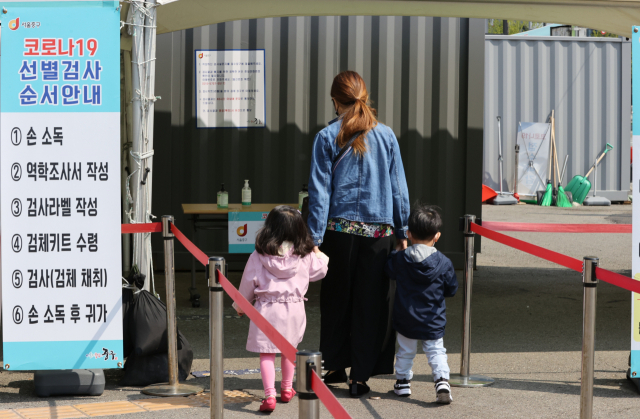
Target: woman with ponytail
<point>358,200</point>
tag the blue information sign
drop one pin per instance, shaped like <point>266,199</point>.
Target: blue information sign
<point>243,227</point>
<point>635,298</point>
<point>60,182</point>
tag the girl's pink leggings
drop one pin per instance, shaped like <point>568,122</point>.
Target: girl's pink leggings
<point>268,371</point>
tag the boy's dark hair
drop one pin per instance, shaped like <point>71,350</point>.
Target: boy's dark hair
<point>425,221</point>
<point>284,224</point>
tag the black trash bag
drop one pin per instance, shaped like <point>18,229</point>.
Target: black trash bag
<point>128,299</point>
<point>148,325</point>
<point>140,370</point>
<point>137,280</point>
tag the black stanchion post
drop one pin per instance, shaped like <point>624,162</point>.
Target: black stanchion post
<point>589,283</point>
<point>173,387</point>
<point>216,263</point>
<point>464,379</point>
<point>308,403</point>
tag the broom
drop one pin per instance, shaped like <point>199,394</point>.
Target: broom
<point>548,195</point>
<point>547,199</point>
<point>562,200</point>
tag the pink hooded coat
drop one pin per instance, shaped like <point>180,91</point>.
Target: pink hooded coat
<point>278,284</point>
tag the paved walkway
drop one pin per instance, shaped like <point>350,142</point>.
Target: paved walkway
<point>526,333</point>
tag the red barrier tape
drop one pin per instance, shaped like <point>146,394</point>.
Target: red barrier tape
<point>566,261</point>
<point>326,396</point>
<point>141,228</point>
<point>558,228</point>
<point>532,249</point>
<point>618,280</point>
<point>192,248</point>
<point>328,399</point>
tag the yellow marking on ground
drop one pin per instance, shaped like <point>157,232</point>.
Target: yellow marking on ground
<point>230,396</point>
<point>53,412</point>
<point>124,407</point>
<point>9,414</point>
<point>109,408</point>
<point>168,403</point>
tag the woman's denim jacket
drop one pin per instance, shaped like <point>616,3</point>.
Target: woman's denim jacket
<point>369,189</point>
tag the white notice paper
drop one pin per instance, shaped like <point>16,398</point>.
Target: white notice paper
<point>230,88</point>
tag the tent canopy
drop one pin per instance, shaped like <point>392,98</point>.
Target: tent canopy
<point>612,16</point>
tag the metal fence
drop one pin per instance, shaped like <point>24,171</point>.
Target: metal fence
<point>425,78</point>
<point>587,81</point>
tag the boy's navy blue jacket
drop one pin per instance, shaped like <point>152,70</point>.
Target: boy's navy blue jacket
<point>424,278</point>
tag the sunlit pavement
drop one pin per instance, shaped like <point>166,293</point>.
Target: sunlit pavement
<point>526,334</point>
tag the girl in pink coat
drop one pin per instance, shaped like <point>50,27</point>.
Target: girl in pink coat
<point>276,279</point>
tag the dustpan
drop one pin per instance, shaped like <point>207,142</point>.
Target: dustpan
<point>595,200</point>
<point>580,186</point>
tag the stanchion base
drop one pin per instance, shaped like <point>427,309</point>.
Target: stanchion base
<point>168,390</point>
<point>596,201</point>
<point>456,380</point>
<point>503,199</point>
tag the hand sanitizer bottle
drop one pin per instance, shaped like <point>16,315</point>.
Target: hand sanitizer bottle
<point>223,198</point>
<point>246,194</point>
<point>301,195</point>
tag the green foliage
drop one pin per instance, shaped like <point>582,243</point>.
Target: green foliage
<point>518,26</point>
<point>515,26</point>
<point>598,34</point>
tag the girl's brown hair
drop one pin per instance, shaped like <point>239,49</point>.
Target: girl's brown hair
<point>284,224</point>
<point>349,90</point>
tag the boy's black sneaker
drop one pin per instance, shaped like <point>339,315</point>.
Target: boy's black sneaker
<point>402,387</point>
<point>443,391</point>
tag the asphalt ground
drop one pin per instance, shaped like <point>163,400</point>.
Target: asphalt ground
<point>526,333</point>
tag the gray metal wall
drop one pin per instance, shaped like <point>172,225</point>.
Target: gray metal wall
<point>587,81</point>
<point>417,72</point>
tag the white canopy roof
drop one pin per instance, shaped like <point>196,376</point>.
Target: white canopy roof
<point>612,16</point>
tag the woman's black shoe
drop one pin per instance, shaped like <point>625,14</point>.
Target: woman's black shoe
<point>357,389</point>
<point>335,377</point>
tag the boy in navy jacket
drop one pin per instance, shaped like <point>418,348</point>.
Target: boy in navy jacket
<point>424,278</point>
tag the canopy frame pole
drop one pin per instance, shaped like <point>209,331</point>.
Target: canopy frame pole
<point>143,87</point>
<point>148,119</point>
